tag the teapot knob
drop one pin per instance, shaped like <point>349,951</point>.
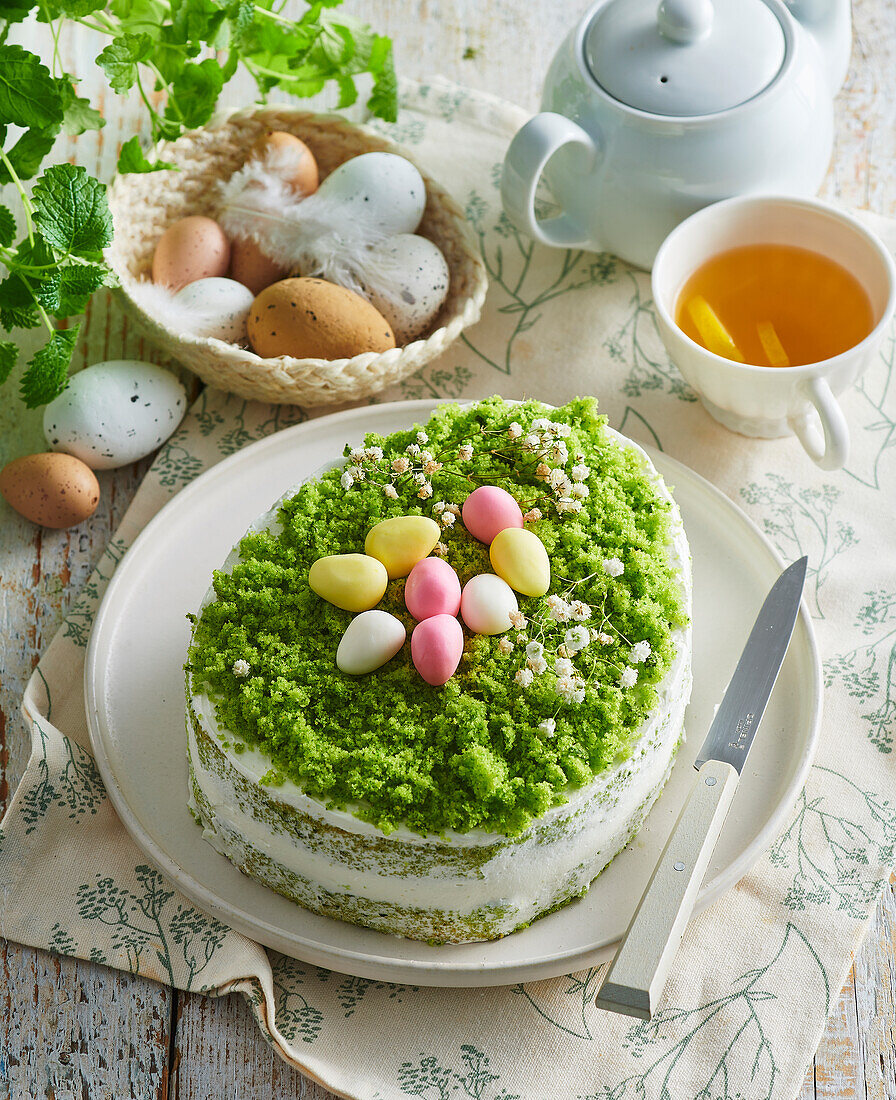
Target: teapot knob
<point>685,21</point>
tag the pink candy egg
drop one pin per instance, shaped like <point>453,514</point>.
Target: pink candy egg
<point>432,588</point>
<point>436,647</point>
<point>488,510</point>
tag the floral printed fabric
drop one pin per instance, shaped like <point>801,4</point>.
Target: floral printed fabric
<point>740,1021</point>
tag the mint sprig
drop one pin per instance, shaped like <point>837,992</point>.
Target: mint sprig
<point>187,50</point>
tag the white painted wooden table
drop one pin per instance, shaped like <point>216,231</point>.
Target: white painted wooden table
<point>72,1029</point>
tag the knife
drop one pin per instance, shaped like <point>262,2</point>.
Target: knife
<point>635,981</point>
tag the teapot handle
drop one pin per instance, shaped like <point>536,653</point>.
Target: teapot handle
<point>528,154</point>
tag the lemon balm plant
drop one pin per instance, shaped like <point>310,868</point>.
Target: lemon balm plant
<point>177,55</point>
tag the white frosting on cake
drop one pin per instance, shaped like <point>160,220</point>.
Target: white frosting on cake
<point>553,860</point>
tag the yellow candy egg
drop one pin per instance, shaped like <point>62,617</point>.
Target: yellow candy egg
<point>401,542</point>
<point>354,582</point>
<point>518,557</point>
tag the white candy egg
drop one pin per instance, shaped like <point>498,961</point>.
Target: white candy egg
<point>114,413</point>
<point>382,190</point>
<point>370,640</point>
<point>215,307</point>
<point>407,281</point>
<point>487,603</point>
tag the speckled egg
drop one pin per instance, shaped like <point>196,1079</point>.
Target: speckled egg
<point>412,284</point>
<point>313,319</point>
<point>193,248</point>
<point>114,413</point>
<point>54,490</point>
<point>382,190</point>
<point>217,307</point>
<point>290,158</point>
<point>251,267</point>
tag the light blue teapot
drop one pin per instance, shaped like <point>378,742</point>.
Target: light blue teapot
<point>651,112</point>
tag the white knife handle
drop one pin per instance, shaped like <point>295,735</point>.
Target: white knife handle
<point>637,976</point>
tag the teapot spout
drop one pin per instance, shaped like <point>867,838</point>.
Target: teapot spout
<point>829,22</point>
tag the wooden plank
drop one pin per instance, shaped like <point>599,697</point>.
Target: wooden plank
<point>838,1072</point>
<point>76,1030</point>
<point>876,1001</point>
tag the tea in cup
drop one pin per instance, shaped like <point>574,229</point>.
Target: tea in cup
<point>770,307</point>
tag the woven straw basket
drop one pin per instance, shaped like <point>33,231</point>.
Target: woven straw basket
<point>143,206</point>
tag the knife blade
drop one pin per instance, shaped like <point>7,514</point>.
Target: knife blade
<point>637,976</point>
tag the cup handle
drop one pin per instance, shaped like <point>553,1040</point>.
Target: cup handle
<point>831,452</point>
<point>529,151</point>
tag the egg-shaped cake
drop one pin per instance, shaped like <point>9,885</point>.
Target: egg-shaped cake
<point>470,781</point>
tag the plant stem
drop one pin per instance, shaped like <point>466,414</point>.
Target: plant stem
<point>26,202</point>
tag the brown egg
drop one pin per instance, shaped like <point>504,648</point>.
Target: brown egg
<point>54,490</point>
<point>313,319</point>
<point>192,248</point>
<point>250,266</point>
<point>290,158</point>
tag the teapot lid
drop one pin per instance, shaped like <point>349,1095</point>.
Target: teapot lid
<point>684,57</point>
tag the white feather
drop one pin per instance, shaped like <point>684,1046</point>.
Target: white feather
<point>166,309</point>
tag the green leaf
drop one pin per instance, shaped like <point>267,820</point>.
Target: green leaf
<point>9,353</point>
<point>28,153</point>
<point>197,20</point>
<point>132,159</point>
<point>383,100</point>
<point>77,283</point>
<point>195,93</point>
<point>348,93</point>
<point>78,115</point>
<point>7,227</point>
<point>76,9</point>
<point>242,22</point>
<point>71,211</point>
<point>47,373</point>
<point>120,58</point>
<point>17,308</point>
<point>28,94</point>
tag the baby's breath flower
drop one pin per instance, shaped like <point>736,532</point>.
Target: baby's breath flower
<point>356,454</point>
<point>534,649</point>
<point>547,727</point>
<point>580,472</point>
<point>454,509</point>
<point>412,449</point>
<point>532,442</point>
<point>440,549</point>
<point>580,611</point>
<point>564,667</point>
<point>542,471</point>
<point>561,430</point>
<point>524,677</point>
<point>518,619</point>
<point>567,504</point>
<point>541,424</point>
<point>537,665</point>
<point>514,431</point>
<point>505,645</point>
<point>603,638</point>
<point>390,491</point>
<point>439,507</point>
<point>400,465</point>
<point>431,467</point>
<point>465,452</point>
<point>613,567</point>
<point>566,687</point>
<point>422,437</point>
<point>520,638</point>
<point>425,491</point>
<point>577,638</point>
<point>640,652</point>
<point>562,651</point>
<point>241,668</point>
<point>579,491</point>
<point>447,519</point>
<point>557,479</point>
<point>558,452</point>
<point>373,454</point>
<point>558,609</point>
<point>346,481</point>
<point>532,516</point>
<point>419,477</point>
<point>356,472</point>
<point>629,678</point>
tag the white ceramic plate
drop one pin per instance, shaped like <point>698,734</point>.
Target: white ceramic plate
<point>134,688</point>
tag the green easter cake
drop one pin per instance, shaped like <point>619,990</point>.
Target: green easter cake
<point>452,774</point>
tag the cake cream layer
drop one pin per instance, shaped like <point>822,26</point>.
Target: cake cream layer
<point>455,887</point>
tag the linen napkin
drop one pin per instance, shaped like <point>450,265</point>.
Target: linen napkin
<point>741,1018</point>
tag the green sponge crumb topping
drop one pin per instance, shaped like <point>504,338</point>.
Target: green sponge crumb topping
<point>389,747</point>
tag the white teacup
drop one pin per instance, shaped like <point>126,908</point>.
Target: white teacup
<point>766,401</point>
